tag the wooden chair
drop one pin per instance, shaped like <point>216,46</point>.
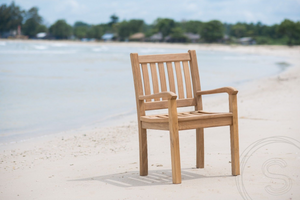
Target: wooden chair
<point>164,96</point>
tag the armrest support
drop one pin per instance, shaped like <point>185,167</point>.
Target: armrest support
<point>172,103</point>
<point>229,90</point>
<point>168,95</point>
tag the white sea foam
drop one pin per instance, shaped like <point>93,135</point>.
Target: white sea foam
<point>101,48</point>
<point>40,47</point>
<point>45,51</point>
<point>240,57</point>
<point>59,45</point>
<point>151,50</point>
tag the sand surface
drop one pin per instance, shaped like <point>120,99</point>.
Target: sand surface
<point>102,163</point>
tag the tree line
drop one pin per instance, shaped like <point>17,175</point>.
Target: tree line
<point>12,16</point>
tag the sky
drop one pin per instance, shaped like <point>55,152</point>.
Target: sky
<point>99,11</point>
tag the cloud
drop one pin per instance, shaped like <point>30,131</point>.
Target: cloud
<point>70,7</point>
<point>232,11</point>
<point>73,5</point>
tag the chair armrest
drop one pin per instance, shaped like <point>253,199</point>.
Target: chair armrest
<point>229,90</point>
<point>168,95</point>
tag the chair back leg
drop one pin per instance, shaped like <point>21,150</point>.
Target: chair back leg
<point>143,152</point>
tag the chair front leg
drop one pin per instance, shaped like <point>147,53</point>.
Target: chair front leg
<point>234,136</point>
<point>174,142</point>
<point>200,148</point>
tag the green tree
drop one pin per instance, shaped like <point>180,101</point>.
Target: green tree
<point>212,31</point>
<point>127,28</point>
<point>60,29</point>
<point>291,30</point>
<point>113,20</point>
<point>123,30</point>
<point>164,25</point>
<point>177,35</point>
<point>81,29</point>
<point>30,27</point>
<point>80,24</point>
<point>10,17</point>
<point>33,23</point>
<point>227,28</point>
<point>98,30</point>
<point>147,29</point>
<point>41,28</point>
<point>238,30</point>
<point>33,13</point>
<point>192,26</point>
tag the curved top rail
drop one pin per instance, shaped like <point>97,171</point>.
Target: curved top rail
<point>164,58</point>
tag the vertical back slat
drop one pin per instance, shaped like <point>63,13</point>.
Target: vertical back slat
<point>162,78</point>
<point>187,79</point>
<point>154,79</point>
<point>171,77</point>
<point>146,80</point>
<point>195,78</point>
<point>136,74</point>
<point>179,80</point>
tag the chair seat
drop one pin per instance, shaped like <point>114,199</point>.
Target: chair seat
<point>186,116</point>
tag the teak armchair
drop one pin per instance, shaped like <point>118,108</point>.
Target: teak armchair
<point>189,94</point>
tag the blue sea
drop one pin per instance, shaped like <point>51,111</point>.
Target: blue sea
<point>49,87</point>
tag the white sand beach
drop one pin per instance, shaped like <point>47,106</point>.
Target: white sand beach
<point>102,163</point>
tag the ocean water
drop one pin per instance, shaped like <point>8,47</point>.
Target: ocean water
<point>47,88</point>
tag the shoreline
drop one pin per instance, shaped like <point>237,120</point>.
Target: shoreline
<point>251,49</point>
<point>95,163</point>
<point>124,118</point>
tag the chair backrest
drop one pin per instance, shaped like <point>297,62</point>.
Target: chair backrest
<point>185,83</point>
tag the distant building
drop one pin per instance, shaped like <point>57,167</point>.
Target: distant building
<point>44,36</point>
<point>13,34</point>
<point>41,35</point>
<point>137,37</point>
<point>181,39</point>
<point>158,37</point>
<point>108,37</point>
<point>226,39</point>
<point>168,38</point>
<point>246,40</point>
<point>194,38</point>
